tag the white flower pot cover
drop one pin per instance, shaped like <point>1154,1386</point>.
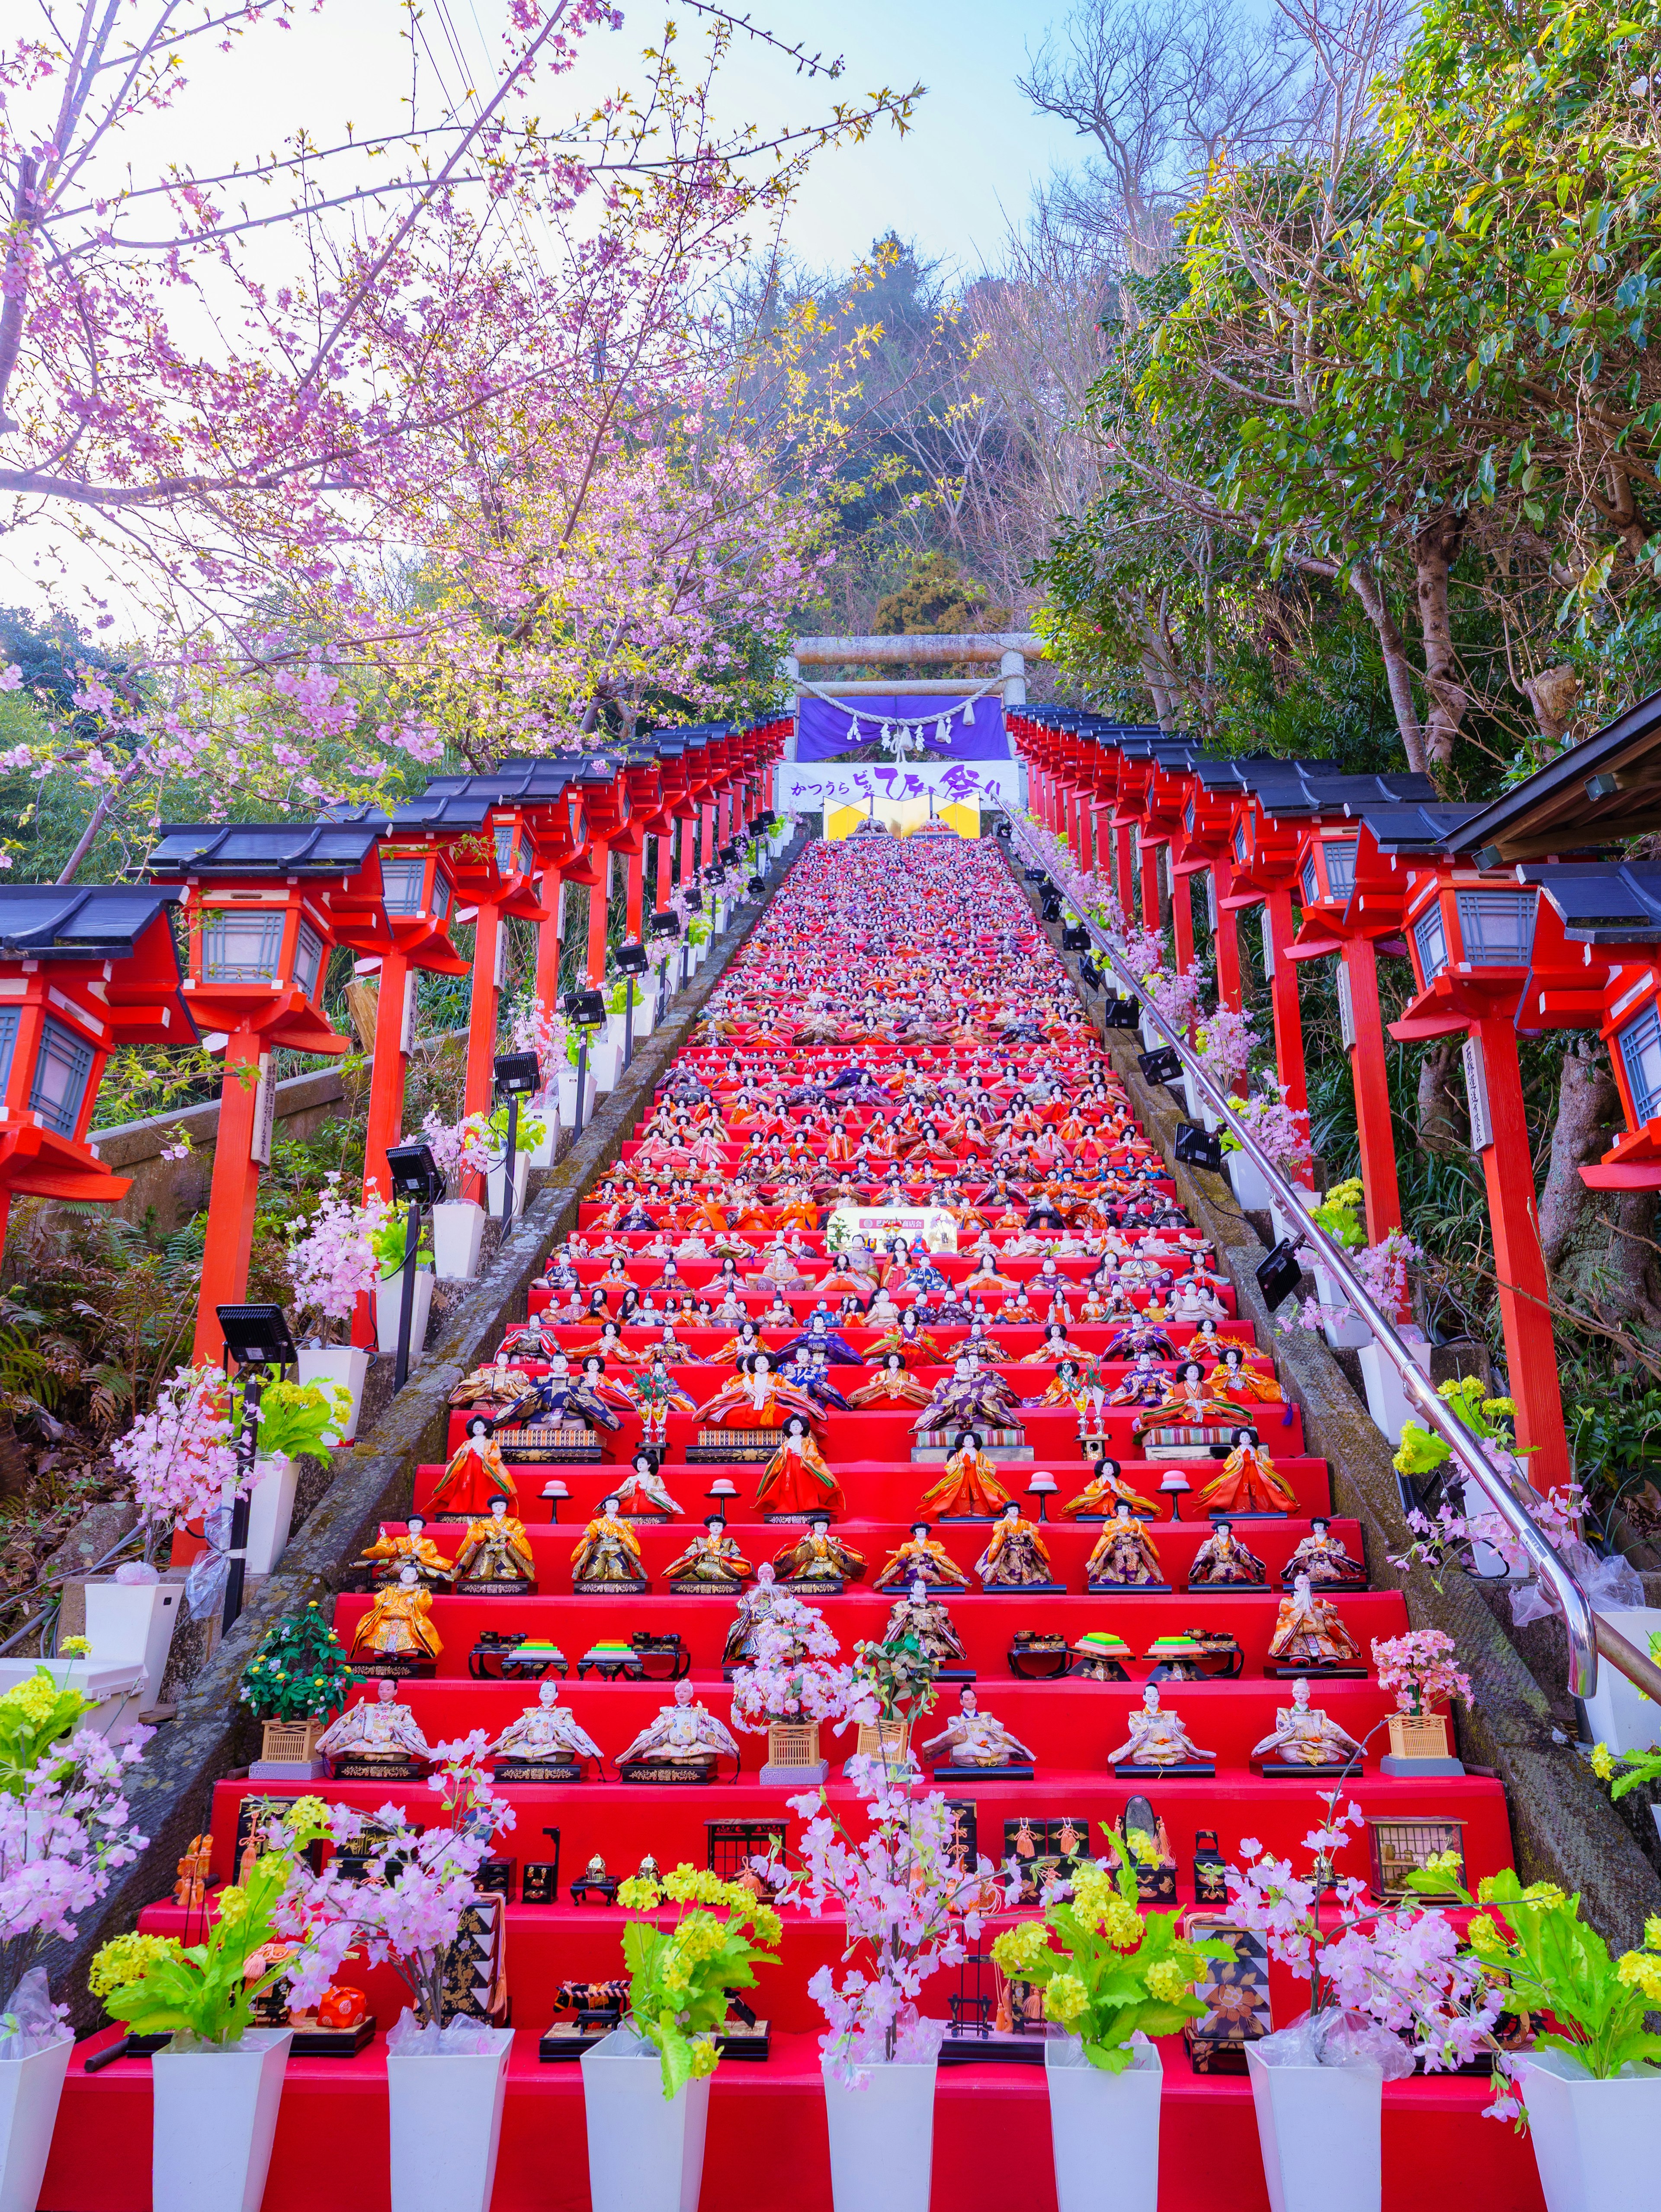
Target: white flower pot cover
<point>495,1182</point>
<point>1090,2109</point>
<point>458,1234</point>
<point>1387,1400</point>
<point>388,1304</point>
<point>445,2113</point>
<point>132,1624</point>
<point>1619,1713</point>
<point>215,2117</point>
<point>541,1155</point>
<point>645,2151</point>
<point>568,1097</point>
<point>1320,2129</point>
<point>882,2140</point>
<point>1595,2143</point>
<point>29,2090</point>
<point>646,1007</point>
<point>270,1511</point>
<point>605,1059</point>
<point>1249,1185</point>
<point>337,1366</point>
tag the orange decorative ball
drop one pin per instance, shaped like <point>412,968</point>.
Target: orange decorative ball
<point>341,2008</point>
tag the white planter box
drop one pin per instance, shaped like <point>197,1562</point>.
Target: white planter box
<point>646,1008</point>
<point>645,2151</point>
<point>1620,1714</point>
<point>1387,1402</point>
<point>495,1182</point>
<point>216,2116</point>
<point>458,1235</point>
<point>270,1511</point>
<point>1249,1186</point>
<point>1320,2129</point>
<point>1090,2109</point>
<point>115,1688</point>
<point>568,1097</point>
<point>1594,2142</point>
<point>882,2140</point>
<point>29,2090</point>
<point>131,1625</point>
<point>388,1305</point>
<point>445,2114</point>
<point>606,1063</point>
<point>339,1366</point>
<point>542,1155</point>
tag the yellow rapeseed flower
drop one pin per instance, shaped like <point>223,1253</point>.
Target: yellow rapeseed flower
<point>1166,1981</point>
<point>1641,1970</point>
<point>638,1896</point>
<point>127,1958</point>
<point>1603,1762</point>
<point>1066,1999</point>
<point>74,1647</point>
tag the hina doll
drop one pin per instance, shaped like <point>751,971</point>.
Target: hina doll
<point>1157,1739</point>
<point>798,1479</point>
<point>913,1343</point>
<point>1104,1491</point>
<point>916,1613</point>
<point>390,1554</point>
<point>1137,1336</point>
<point>1222,1562</point>
<point>713,1561</point>
<point>1233,1382</point>
<point>739,1348</point>
<point>1145,1385</point>
<point>1248,1482</point>
<point>544,1735</point>
<point>1125,1556</point>
<point>378,1727</point>
<point>893,1387</point>
<point>920,1558</point>
<point>608,1555</point>
<point>969,1490</point>
<point>642,1491</point>
<point>475,1474</point>
<point>399,1624</point>
<point>973,1739</point>
<point>1308,1632</point>
<point>1016,1556</point>
<point>496,1549</point>
<point>563,1399</point>
<point>1325,1559</point>
<point>755,1605</point>
<point>683,1735</point>
<point>969,1399</point>
<point>817,1556</point>
<point>758,1398</point>
<point>1303,1735</point>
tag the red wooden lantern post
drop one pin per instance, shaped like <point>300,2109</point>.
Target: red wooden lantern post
<point>260,900</point>
<point>1470,936</point>
<point>419,895</point>
<point>1263,856</point>
<point>82,969</point>
<point>1201,846</point>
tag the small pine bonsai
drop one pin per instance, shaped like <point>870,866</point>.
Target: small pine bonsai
<point>300,1672</point>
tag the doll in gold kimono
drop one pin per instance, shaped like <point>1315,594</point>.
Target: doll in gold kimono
<point>496,1549</point>
<point>399,1624</point>
<point>608,1555</point>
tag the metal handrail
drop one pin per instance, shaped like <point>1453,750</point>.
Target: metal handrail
<point>1587,1634</point>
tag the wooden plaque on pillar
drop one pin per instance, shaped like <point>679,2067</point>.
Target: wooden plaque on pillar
<point>264,1114</point>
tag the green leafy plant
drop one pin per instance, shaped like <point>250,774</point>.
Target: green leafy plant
<point>1421,1451</point>
<point>697,930</point>
<point>390,1240</point>
<point>297,1419</point>
<point>202,1992</point>
<point>1551,1962</point>
<point>34,1714</point>
<point>1107,1972</point>
<point>529,1131</point>
<point>680,1976</point>
<point>1340,1213</point>
<point>897,1676</point>
<point>300,1672</point>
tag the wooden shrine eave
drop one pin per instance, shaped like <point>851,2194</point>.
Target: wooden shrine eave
<point>1599,793</point>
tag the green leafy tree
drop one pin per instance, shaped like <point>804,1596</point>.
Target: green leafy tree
<point>300,1672</point>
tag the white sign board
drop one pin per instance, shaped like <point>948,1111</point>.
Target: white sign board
<point>802,787</point>
<point>931,1226</point>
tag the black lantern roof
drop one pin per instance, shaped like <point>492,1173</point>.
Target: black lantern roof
<point>262,848</point>
<point>1414,830</point>
<point>1600,903</point>
<point>75,921</point>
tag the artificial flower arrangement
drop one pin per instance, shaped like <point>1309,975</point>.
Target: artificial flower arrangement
<point>388,1230</point>
<point>299,1420</point>
<point>682,1975</point>
<point>63,1831</point>
<point>332,1260</point>
<point>794,1675</point>
<point>205,1993</point>
<point>1339,1214</point>
<point>1420,1667</point>
<point>1109,1974</point>
<point>179,1457</point>
<point>300,1672</point>
<point>1542,1959</point>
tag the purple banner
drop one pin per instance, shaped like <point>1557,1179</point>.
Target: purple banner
<point>824,730</point>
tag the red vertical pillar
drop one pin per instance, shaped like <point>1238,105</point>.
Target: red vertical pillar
<point>1283,994</point>
<point>482,1013</point>
<point>1127,895</point>
<point>666,870</point>
<point>1518,1262</point>
<point>1227,938</point>
<point>231,1199</point>
<point>599,901</point>
<point>1370,1073</point>
<point>385,1114</point>
<point>688,833</point>
<point>1150,874</point>
<point>1181,917</point>
<point>706,820</point>
<point>5,1215</point>
<point>635,923</point>
<point>553,897</point>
